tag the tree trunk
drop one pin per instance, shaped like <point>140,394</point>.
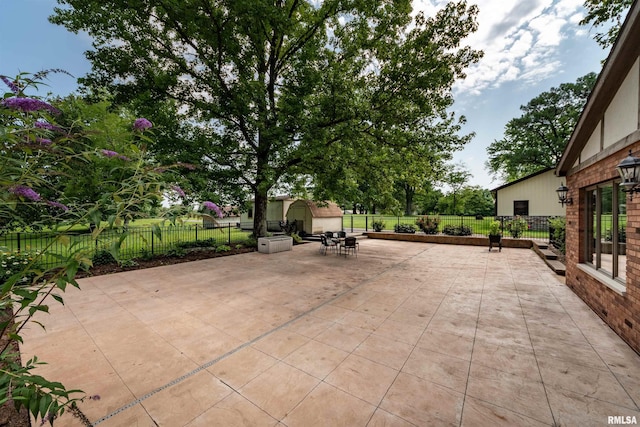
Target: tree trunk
<point>409,192</point>
<point>260,214</point>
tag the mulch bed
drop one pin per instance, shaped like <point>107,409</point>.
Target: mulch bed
<point>160,260</point>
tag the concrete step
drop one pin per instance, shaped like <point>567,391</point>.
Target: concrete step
<point>558,267</point>
<point>541,245</point>
<point>547,254</point>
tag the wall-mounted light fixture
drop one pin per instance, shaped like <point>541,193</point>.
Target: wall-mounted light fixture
<point>629,170</point>
<point>562,195</point>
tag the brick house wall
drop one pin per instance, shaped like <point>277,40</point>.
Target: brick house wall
<point>620,312</point>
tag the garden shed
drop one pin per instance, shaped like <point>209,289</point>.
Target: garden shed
<point>277,208</point>
<point>313,218</point>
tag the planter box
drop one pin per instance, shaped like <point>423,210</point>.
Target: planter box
<point>270,245</point>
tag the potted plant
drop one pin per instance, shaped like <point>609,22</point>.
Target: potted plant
<point>495,237</point>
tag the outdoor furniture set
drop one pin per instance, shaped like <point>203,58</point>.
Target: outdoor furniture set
<point>338,243</point>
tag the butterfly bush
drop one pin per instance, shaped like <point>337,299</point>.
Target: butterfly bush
<point>142,124</point>
<point>213,207</point>
<point>39,149</point>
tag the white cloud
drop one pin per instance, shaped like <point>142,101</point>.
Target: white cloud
<point>520,42</point>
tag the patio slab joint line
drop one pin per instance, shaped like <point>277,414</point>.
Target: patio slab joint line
<point>235,350</point>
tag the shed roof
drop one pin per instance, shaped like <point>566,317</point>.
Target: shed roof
<point>328,210</point>
<point>623,55</point>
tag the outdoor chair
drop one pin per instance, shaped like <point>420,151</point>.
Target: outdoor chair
<point>329,234</point>
<point>326,244</point>
<point>350,244</point>
<point>342,234</point>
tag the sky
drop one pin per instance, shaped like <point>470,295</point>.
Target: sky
<point>529,47</point>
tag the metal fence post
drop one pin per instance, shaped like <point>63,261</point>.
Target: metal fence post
<point>352,223</point>
<point>152,242</point>
<point>196,232</point>
<point>18,242</point>
<point>366,223</point>
<point>229,234</point>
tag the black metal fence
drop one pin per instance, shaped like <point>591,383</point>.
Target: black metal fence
<point>528,227</point>
<point>134,242</point>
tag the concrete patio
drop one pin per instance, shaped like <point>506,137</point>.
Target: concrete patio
<point>406,334</point>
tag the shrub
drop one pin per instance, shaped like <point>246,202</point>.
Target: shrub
<point>428,224</point>
<point>103,257</point>
<point>378,225</point>
<point>559,226</point>
<point>404,228</point>
<point>457,230</point>
<point>223,248</point>
<point>24,263</point>
<point>517,226</point>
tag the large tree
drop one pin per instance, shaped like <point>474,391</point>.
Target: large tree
<point>536,140</point>
<point>275,85</point>
<point>609,13</point>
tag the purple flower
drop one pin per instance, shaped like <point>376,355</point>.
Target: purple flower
<point>58,205</point>
<point>29,104</point>
<point>47,126</point>
<point>178,190</point>
<point>43,141</point>
<point>12,85</point>
<point>142,124</point>
<point>109,153</point>
<point>25,192</point>
<point>186,166</point>
<point>212,207</point>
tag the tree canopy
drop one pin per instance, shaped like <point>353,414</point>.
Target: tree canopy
<point>536,140</point>
<point>273,88</point>
<point>609,13</point>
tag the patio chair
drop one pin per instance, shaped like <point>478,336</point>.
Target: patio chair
<point>350,244</point>
<point>342,234</point>
<point>326,244</point>
<point>329,234</point>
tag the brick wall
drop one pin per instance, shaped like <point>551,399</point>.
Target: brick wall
<point>621,313</point>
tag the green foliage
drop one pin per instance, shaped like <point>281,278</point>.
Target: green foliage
<point>608,13</point>
<point>404,228</point>
<point>428,224</point>
<point>296,238</point>
<point>103,257</point>
<point>494,228</point>
<point>177,252</point>
<point>517,226</point>
<point>378,225</point>
<point>559,225</point>
<point>280,93</point>
<point>536,140</point>
<point>41,152</point>
<point>22,267</point>
<point>223,248</point>
<point>457,230</point>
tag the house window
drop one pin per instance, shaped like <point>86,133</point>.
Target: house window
<point>250,213</point>
<point>606,230</point>
<point>521,207</point>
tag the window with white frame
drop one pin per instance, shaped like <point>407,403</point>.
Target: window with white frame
<point>606,222</point>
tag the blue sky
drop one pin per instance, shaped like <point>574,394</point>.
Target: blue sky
<point>530,46</point>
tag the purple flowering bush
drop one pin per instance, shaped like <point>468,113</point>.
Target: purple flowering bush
<point>39,148</point>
